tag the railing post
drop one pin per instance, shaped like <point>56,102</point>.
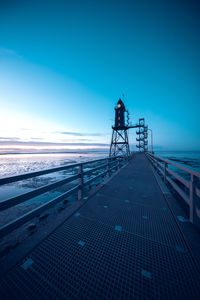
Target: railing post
<point>193,183</point>
<point>108,168</point>
<point>165,172</point>
<point>116,166</point>
<point>80,182</point>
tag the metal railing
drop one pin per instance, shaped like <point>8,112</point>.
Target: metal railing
<point>188,189</point>
<point>109,165</point>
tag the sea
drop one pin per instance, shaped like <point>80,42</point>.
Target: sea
<point>15,164</point>
<point>189,159</point>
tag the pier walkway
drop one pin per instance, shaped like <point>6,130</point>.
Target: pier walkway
<point>123,243</point>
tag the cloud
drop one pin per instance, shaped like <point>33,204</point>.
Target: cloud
<point>80,134</point>
<point>78,140</point>
<point>34,144</point>
<point>9,138</point>
<point>9,52</point>
<point>24,128</point>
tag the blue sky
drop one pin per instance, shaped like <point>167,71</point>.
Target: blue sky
<point>64,64</point>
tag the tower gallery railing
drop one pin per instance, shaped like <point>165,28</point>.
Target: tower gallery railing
<point>188,189</point>
<point>108,165</point>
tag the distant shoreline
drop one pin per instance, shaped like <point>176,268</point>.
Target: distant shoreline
<point>66,152</point>
<point>88,152</point>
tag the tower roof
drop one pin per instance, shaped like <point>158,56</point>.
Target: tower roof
<point>121,103</point>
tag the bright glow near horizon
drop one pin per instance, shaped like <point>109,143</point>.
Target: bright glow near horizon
<point>67,147</point>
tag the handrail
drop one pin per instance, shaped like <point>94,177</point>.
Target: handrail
<point>192,196</point>
<point>16,178</point>
<point>33,213</point>
<point>180,178</point>
<point>20,177</point>
<point>186,169</point>
<point>94,169</point>
<point>96,177</point>
<point>32,194</point>
<point>112,163</point>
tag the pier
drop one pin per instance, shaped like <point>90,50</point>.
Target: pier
<point>123,241</point>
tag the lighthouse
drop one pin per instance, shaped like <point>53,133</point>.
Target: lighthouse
<point>119,141</point>
<point>119,114</point>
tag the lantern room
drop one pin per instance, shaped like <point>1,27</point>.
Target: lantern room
<point>119,115</point>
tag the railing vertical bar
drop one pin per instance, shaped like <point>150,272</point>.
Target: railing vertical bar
<point>108,168</point>
<point>165,171</point>
<point>193,197</point>
<point>80,182</point>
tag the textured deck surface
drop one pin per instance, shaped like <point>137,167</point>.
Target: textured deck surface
<point>123,243</point>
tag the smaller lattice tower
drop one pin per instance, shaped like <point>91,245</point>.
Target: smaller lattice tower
<point>142,133</point>
<point>119,141</point>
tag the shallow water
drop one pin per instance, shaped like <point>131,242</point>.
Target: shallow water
<point>15,164</point>
<point>23,163</point>
<point>190,159</point>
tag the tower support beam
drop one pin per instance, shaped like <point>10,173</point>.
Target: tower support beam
<point>119,143</point>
